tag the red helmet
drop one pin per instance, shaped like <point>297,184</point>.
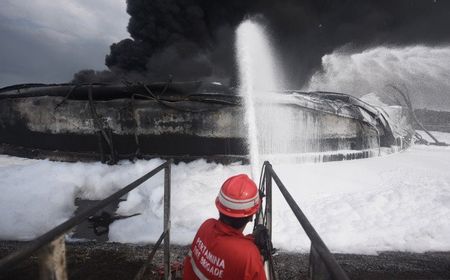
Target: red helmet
<point>238,197</point>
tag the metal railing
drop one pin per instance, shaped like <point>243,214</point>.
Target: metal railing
<point>322,265</point>
<point>52,245</point>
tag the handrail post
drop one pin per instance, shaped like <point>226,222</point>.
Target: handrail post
<point>317,268</point>
<point>52,260</point>
<point>268,175</point>
<point>167,272</point>
<point>268,264</point>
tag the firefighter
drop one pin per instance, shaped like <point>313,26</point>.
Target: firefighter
<point>220,250</point>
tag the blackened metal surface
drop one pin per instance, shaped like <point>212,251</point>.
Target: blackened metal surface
<point>109,92</point>
<point>188,120</point>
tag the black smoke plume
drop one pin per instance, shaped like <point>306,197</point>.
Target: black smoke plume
<point>89,76</point>
<point>191,39</point>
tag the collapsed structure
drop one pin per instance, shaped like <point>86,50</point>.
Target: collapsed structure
<point>181,120</point>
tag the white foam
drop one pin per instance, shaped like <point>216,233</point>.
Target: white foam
<point>394,202</point>
<point>423,71</point>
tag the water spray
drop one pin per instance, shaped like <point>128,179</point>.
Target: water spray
<point>258,77</point>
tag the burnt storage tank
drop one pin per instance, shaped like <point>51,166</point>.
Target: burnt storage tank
<point>112,122</point>
<point>177,120</point>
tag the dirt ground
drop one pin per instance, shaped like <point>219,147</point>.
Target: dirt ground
<point>100,260</point>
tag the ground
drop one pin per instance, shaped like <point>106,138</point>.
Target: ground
<point>115,261</point>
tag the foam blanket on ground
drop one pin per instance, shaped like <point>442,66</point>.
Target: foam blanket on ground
<point>394,202</point>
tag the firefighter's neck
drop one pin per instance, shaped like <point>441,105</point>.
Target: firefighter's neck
<point>242,228</point>
<point>233,224</point>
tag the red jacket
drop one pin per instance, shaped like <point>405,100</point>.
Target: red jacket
<point>221,252</point>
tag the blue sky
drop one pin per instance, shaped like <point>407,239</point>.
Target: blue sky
<point>47,41</point>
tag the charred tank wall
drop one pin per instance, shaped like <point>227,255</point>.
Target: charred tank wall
<point>150,128</point>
